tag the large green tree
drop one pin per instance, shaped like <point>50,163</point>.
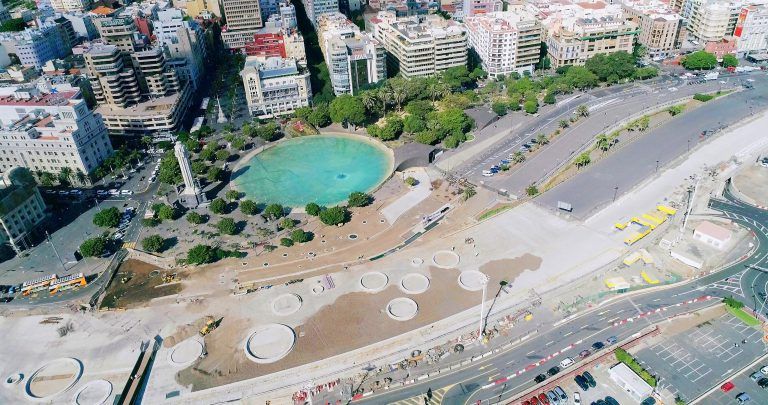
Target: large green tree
<point>730,61</point>
<point>347,108</point>
<point>93,247</point>
<point>201,254</point>
<point>699,60</point>
<point>334,215</point>
<point>169,171</point>
<point>153,243</point>
<point>619,64</point>
<point>108,218</point>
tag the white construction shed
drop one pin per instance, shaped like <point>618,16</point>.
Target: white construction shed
<point>630,382</point>
<point>711,234</point>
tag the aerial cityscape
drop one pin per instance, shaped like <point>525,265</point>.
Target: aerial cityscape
<point>460,202</point>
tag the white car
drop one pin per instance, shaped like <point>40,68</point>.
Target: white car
<point>114,192</point>
<point>487,173</point>
<point>126,192</point>
<point>567,362</point>
<point>102,192</point>
<point>117,235</point>
<point>76,192</point>
<point>576,398</point>
<point>764,370</point>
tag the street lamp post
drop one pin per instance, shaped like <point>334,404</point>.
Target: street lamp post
<point>615,192</point>
<point>484,281</point>
<point>657,166</point>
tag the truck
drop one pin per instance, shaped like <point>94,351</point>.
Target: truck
<point>712,76</point>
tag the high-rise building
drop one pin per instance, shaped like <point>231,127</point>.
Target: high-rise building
<point>243,20</point>
<point>184,43</point>
<point>353,58</point>
<point>419,46</point>
<point>156,76</point>
<point>506,41</point>
<point>577,31</point>
<point>112,79</point>
<point>36,46</point>
<point>22,208</point>
<point>711,20</point>
<point>475,7</point>
<point>316,8</point>
<point>661,28</point>
<point>71,5</point>
<point>47,131</point>
<point>752,30</point>
<point>275,86</point>
<point>120,32</point>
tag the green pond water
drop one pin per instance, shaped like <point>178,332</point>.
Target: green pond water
<point>322,169</point>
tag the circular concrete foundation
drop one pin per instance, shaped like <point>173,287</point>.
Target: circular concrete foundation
<point>374,281</point>
<point>13,379</point>
<point>417,261</point>
<point>472,280</point>
<point>185,352</point>
<point>269,343</point>
<point>53,378</point>
<point>318,289</point>
<point>414,283</point>
<point>94,392</point>
<point>445,259</point>
<point>286,304</point>
<point>402,309</point>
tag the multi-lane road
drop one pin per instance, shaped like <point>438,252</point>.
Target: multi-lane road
<point>607,106</point>
<point>742,280</point>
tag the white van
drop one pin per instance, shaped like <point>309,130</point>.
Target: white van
<point>487,173</point>
<point>567,362</point>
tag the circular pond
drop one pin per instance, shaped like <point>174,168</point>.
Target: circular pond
<point>323,169</point>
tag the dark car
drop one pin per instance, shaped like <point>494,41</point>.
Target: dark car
<point>584,353</point>
<point>611,401</point>
<point>612,340</point>
<point>539,378</point>
<point>581,382</point>
<point>648,401</point>
<point>554,370</point>
<point>590,379</point>
<point>600,402</point>
<point>598,345</point>
<point>763,383</point>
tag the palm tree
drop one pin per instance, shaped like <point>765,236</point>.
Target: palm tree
<point>542,139</point>
<point>518,157</point>
<point>80,177</point>
<point>385,96</point>
<point>399,91</point>
<point>603,142</point>
<point>437,89</point>
<point>64,175</point>
<point>582,160</point>
<point>582,111</point>
<point>564,124</point>
<point>146,140</point>
<point>369,99</point>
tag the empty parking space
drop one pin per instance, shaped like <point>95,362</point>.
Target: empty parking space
<point>691,362</point>
<point>742,383</point>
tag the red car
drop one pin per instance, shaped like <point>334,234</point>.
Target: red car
<point>727,386</point>
<point>543,399</point>
<point>525,403</point>
<point>534,400</point>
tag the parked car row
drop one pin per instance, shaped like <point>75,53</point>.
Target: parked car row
<point>125,222</point>
<point>65,193</point>
<point>556,396</point>
<point>526,147</point>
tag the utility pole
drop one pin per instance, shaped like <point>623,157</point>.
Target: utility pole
<point>615,192</point>
<point>484,281</point>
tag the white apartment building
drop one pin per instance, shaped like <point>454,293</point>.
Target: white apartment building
<point>21,208</point>
<point>577,31</point>
<point>419,46</point>
<point>354,59</point>
<point>243,20</point>
<point>316,8</point>
<point>711,20</point>
<point>661,29</point>
<point>506,41</point>
<point>47,131</point>
<point>752,30</point>
<point>185,43</point>
<point>71,5</point>
<point>275,87</point>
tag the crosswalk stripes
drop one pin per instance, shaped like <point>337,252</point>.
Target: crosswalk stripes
<point>437,398</point>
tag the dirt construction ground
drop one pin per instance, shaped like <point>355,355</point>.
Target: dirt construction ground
<point>136,283</point>
<point>751,182</point>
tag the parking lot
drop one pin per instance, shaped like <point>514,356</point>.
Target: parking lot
<point>691,362</point>
<point>742,383</point>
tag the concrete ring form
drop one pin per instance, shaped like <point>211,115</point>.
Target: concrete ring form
<point>58,367</point>
<point>94,392</point>
<point>446,259</point>
<point>13,379</point>
<point>417,261</point>
<point>318,289</point>
<point>269,343</point>
<point>374,281</point>
<point>402,309</point>
<point>185,353</point>
<point>286,304</point>
<point>414,283</point>
<point>472,280</point>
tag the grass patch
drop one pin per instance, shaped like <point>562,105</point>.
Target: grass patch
<point>494,211</point>
<point>702,97</point>
<point>626,358</point>
<point>748,319</point>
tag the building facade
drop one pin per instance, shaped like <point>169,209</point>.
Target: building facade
<point>316,8</point>
<point>751,30</point>
<point>48,131</point>
<point>66,6</point>
<point>420,46</point>
<point>275,86</point>
<point>36,46</point>
<point>243,20</point>
<point>506,42</point>
<point>661,29</point>
<point>22,208</point>
<point>711,20</point>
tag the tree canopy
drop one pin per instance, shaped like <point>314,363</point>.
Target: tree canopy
<point>93,247</point>
<point>153,243</point>
<point>730,61</point>
<point>334,215</point>
<point>699,60</point>
<point>347,108</point>
<point>107,218</point>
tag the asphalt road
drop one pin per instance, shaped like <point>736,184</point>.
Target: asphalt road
<point>607,107</point>
<point>466,384</point>
<point>598,184</point>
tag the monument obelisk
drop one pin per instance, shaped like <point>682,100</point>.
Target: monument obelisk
<point>191,196</point>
